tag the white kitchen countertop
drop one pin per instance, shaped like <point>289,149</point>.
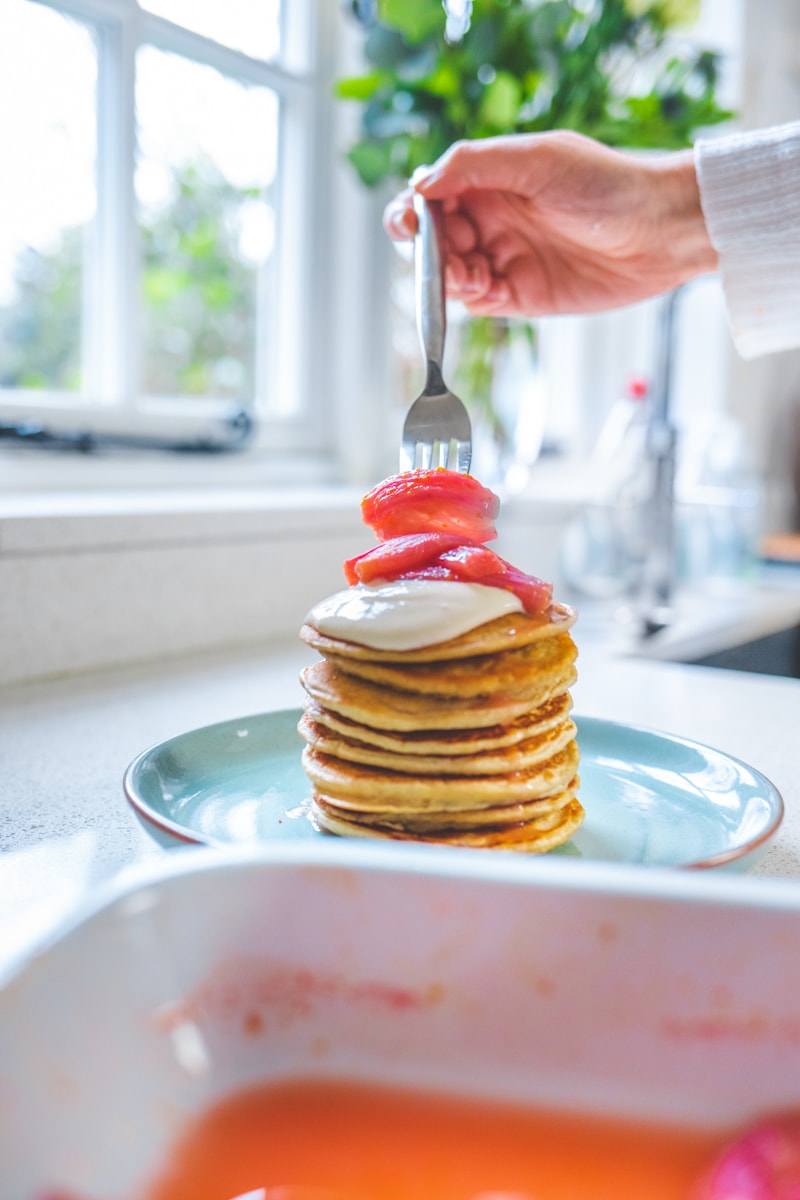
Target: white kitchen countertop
<point>64,746</point>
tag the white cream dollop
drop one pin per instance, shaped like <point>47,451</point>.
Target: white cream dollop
<point>409,613</point>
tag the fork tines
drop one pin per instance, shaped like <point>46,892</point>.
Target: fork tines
<point>453,454</point>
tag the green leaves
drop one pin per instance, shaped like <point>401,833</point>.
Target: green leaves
<point>372,159</point>
<point>524,68</point>
<point>361,87</point>
<point>501,101</point>
<point>415,19</point>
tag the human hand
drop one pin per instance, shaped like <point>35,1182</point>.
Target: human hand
<point>558,223</point>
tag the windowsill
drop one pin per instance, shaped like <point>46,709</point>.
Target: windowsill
<point>38,521</point>
<point>27,471</point>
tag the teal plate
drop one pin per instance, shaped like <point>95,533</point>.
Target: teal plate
<point>649,797</point>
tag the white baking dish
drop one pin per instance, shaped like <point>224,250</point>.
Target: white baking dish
<point>604,988</point>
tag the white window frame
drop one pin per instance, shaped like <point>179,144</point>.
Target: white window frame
<point>330,263</point>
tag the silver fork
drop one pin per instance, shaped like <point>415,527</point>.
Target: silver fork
<point>437,431</point>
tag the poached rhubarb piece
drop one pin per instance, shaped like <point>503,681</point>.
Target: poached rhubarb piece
<point>446,556</point>
<point>763,1165</point>
<point>399,556</point>
<point>479,564</point>
<point>435,501</point>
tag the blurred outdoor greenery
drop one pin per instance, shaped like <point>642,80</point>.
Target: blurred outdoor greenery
<point>198,310</point>
<point>40,330</point>
<point>198,293</point>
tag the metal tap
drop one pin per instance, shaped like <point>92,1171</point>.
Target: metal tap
<point>657,581</point>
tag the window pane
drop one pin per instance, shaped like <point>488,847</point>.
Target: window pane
<point>48,75</point>
<point>252,26</point>
<point>207,160</point>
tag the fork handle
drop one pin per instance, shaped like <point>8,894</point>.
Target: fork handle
<point>429,279</point>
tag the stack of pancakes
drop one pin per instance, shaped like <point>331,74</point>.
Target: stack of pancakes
<point>467,742</point>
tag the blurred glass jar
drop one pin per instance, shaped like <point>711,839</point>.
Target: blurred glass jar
<point>604,547</point>
<point>718,504</point>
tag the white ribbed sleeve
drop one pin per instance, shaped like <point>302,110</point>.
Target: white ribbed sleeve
<point>750,193</point>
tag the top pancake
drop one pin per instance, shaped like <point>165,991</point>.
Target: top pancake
<point>508,632</point>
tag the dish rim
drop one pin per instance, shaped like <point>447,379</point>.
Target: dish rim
<point>505,868</point>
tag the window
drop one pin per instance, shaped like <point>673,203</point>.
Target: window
<point>161,247</point>
<point>181,241</point>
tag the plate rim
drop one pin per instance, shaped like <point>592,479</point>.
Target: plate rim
<point>185,834</point>
<point>722,857</point>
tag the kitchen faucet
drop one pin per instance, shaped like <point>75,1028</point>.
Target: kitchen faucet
<point>657,581</point>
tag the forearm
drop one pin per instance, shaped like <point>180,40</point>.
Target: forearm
<point>678,213</point>
<point>750,192</point>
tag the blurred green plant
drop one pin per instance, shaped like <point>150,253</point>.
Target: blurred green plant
<point>611,69</point>
<point>615,70</point>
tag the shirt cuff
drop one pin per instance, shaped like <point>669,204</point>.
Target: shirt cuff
<point>750,195</point>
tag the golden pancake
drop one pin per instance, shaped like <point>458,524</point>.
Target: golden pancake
<point>377,788</point>
<point>447,742</point>
<point>503,633</point>
<point>522,755</point>
<point>527,837</point>
<point>548,807</point>
<point>382,708</point>
<point>441,829</point>
<point>507,671</point>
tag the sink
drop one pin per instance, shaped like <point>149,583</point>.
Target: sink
<point>776,654</point>
<point>754,628</point>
